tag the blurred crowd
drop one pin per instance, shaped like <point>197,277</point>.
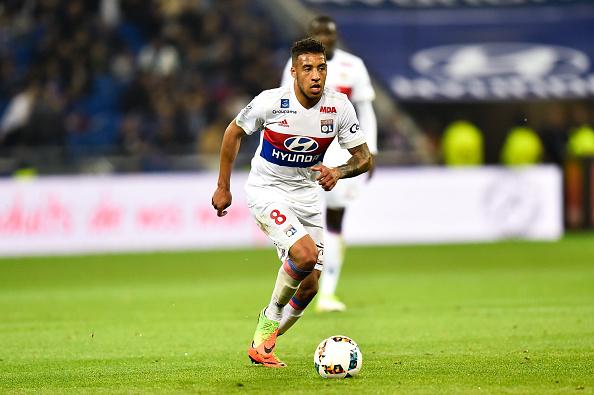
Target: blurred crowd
<point>158,79</point>
<point>129,77</point>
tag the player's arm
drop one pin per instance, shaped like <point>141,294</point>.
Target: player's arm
<point>368,122</point>
<point>360,161</point>
<point>221,199</point>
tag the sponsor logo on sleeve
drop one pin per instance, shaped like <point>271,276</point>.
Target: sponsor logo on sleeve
<point>284,103</point>
<point>355,128</point>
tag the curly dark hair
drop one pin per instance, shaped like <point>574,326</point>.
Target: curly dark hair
<point>307,45</point>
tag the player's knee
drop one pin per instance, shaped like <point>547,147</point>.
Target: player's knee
<point>306,256</point>
<point>310,258</point>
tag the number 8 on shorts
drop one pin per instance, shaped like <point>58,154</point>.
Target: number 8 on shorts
<point>278,218</point>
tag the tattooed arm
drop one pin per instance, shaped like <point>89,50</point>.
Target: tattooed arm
<point>360,161</point>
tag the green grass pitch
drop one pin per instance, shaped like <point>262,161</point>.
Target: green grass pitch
<point>512,317</point>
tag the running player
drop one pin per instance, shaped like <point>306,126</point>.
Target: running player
<point>297,123</point>
<point>346,74</point>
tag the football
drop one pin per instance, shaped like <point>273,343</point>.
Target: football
<point>338,357</point>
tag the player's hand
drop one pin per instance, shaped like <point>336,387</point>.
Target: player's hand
<point>328,176</point>
<point>221,199</point>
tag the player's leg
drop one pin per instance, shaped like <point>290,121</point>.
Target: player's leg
<point>298,266</point>
<point>299,255</point>
<point>309,286</point>
<point>303,256</point>
<point>294,310</point>
<point>333,260</point>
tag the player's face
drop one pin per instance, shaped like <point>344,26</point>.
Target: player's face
<point>309,71</point>
<point>326,34</point>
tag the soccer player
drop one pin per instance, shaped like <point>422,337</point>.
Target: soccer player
<point>346,74</point>
<point>297,124</point>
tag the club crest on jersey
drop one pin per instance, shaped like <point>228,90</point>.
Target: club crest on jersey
<point>327,126</point>
<point>284,103</point>
<point>290,230</point>
<point>328,109</point>
<point>300,144</point>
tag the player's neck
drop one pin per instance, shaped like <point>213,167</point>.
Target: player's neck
<point>305,101</point>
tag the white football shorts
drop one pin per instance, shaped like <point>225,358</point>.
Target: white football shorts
<point>285,222</point>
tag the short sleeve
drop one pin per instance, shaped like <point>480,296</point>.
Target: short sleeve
<point>350,134</point>
<point>362,90</point>
<point>251,118</point>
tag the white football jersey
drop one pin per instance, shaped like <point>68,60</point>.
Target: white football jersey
<point>293,138</point>
<point>347,74</point>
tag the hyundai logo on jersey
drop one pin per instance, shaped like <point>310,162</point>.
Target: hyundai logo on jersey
<point>300,144</point>
<point>284,103</point>
<point>293,151</point>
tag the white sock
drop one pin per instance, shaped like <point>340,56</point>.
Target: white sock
<point>290,317</point>
<point>333,257</point>
<point>287,282</point>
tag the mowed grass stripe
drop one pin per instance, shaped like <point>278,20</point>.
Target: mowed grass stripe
<point>513,317</point>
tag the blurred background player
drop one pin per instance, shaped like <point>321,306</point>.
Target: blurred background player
<point>347,74</point>
<point>298,123</point>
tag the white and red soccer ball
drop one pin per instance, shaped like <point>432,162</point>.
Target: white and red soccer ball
<point>338,357</point>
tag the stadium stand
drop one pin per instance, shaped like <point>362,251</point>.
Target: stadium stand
<point>130,79</point>
<point>131,85</point>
